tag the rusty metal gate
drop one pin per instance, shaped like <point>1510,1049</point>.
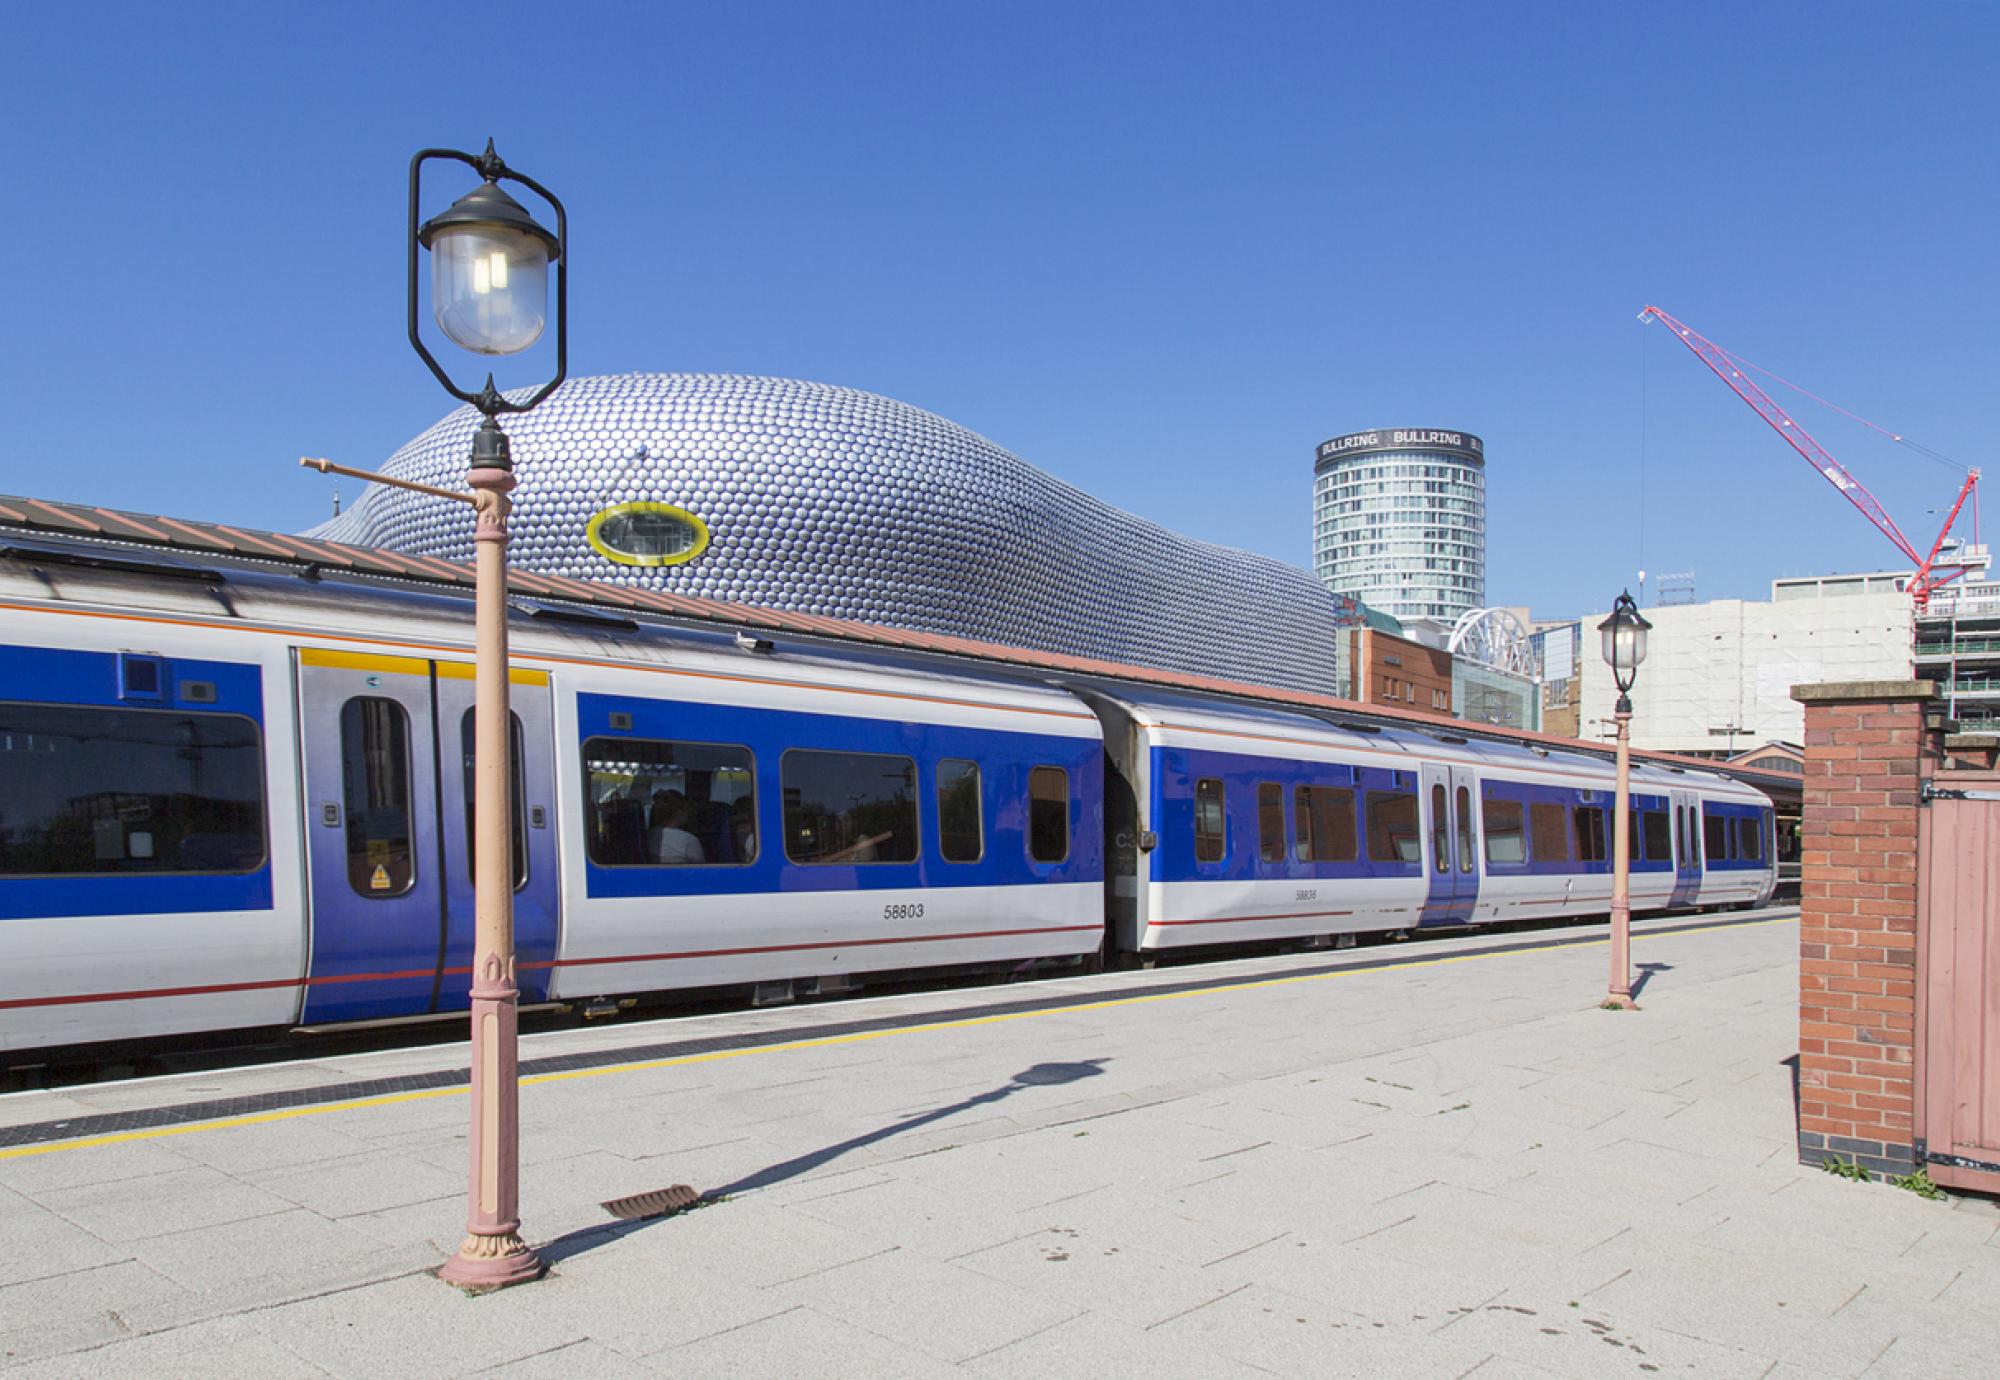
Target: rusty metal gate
<point>1957,1111</point>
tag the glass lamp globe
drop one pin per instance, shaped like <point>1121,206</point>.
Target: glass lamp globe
<point>489,272</point>
<point>1624,634</point>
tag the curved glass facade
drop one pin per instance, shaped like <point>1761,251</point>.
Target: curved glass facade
<point>1399,521</point>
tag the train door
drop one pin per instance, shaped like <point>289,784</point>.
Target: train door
<point>536,877</point>
<point>389,878</point>
<point>1687,848</point>
<point>1453,865</point>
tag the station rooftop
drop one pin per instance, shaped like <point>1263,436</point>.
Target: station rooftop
<point>33,529</point>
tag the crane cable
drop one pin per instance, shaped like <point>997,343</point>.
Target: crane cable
<point>1937,457</point>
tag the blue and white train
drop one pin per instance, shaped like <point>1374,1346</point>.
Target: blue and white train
<point>235,795</point>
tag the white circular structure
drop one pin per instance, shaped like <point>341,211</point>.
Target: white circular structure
<point>1493,637</point>
<point>1399,520</point>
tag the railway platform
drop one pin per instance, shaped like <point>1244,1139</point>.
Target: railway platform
<point>1434,1158</point>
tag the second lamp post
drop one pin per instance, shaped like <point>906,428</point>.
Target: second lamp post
<point>1624,634</point>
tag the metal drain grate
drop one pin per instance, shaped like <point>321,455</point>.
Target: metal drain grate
<point>658,1203</point>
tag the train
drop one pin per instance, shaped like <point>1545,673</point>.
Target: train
<point>235,795</point>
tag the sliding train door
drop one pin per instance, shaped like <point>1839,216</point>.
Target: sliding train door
<point>1453,862</point>
<point>387,747</point>
<point>1687,848</point>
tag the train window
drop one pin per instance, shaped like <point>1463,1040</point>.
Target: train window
<point>1324,819</point>
<point>466,733</point>
<point>1656,834</point>
<point>1393,834</point>
<point>848,808</point>
<point>1440,830</point>
<point>1464,829</point>
<point>1548,832</point>
<point>1749,839</point>
<point>653,803</point>
<point>960,838</point>
<point>1211,839</point>
<point>1506,832</point>
<point>1271,822</point>
<point>1590,833</point>
<point>1048,814</point>
<point>375,775</point>
<point>1716,830</point>
<point>87,790</point>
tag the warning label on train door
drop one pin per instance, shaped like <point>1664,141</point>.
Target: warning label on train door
<point>380,881</point>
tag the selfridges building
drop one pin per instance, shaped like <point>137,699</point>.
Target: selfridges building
<point>817,499</point>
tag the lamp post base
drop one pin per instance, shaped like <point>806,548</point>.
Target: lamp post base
<point>486,1263</point>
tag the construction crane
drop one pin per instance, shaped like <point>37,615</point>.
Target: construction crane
<point>1731,370</point>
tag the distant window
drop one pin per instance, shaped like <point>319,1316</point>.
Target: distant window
<point>375,776</point>
<point>1750,839</point>
<point>1506,834</point>
<point>845,809</point>
<point>1658,835</point>
<point>1048,814</point>
<point>1548,829</point>
<point>92,791</point>
<point>1715,829</point>
<point>650,802</point>
<point>644,533</point>
<point>960,838</point>
<point>1271,822</point>
<point>1393,834</point>
<point>1590,834</point>
<point>1440,830</point>
<point>1324,819</point>
<point>519,813</point>
<point>1210,825</point>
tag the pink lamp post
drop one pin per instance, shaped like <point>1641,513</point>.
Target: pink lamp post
<point>1624,635</point>
<point>489,294</point>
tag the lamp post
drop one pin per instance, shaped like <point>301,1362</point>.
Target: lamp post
<point>1624,634</point>
<point>489,294</point>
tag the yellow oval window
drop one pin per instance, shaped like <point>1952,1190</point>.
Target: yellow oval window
<point>645,533</point>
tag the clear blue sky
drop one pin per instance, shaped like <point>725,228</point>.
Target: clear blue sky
<point>1158,250</point>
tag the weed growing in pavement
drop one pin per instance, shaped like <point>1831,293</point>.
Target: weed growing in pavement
<point>1918,1183</point>
<point>1845,1169</point>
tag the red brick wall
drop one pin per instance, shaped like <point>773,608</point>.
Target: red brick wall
<point>1858,922</point>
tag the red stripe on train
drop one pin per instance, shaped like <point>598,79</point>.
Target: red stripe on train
<point>275,983</point>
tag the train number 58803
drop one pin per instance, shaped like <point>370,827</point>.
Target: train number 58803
<point>914,911</point>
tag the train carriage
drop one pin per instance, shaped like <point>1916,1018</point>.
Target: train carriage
<point>235,793</point>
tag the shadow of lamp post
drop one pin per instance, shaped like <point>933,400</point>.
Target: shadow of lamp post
<point>1624,634</point>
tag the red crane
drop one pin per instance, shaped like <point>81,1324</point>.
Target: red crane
<point>1730,370</point>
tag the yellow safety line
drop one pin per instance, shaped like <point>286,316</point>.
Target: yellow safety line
<point>824,1041</point>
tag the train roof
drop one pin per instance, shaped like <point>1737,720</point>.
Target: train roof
<point>36,531</point>
<point>1443,740</point>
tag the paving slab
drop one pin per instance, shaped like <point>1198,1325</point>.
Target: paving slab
<point>1295,1165</point>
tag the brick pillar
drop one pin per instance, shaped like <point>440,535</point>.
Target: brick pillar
<point>1858,921</point>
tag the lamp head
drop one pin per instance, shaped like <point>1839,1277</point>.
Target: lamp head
<point>1624,634</point>
<point>489,271</point>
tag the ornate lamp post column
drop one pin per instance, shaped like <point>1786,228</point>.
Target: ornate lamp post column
<point>1624,635</point>
<point>489,294</point>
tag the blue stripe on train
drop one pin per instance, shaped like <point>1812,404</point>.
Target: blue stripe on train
<point>45,675</point>
<point>1004,758</point>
